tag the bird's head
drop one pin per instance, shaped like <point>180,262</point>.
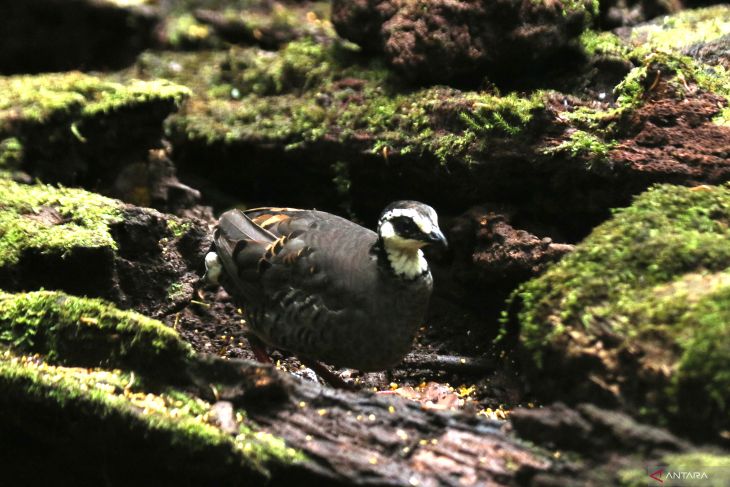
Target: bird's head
<point>410,225</point>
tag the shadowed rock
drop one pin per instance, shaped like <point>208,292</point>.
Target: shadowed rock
<point>57,35</point>
<point>448,41</point>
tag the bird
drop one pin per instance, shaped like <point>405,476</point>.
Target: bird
<point>325,288</point>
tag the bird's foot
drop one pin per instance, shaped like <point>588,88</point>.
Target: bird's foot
<point>329,377</point>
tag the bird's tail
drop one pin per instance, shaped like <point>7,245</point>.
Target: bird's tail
<point>235,225</point>
<point>241,246</point>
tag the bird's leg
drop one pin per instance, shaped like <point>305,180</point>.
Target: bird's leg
<point>259,349</point>
<point>329,377</point>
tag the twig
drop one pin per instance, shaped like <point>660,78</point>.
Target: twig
<point>448,363</point>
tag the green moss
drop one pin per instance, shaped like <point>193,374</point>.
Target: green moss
<point>199,71</point>
<point>509,114</point>
<point>309,92</point>
<point>75,96</point>
<point>630,90</point>
<point>594,130</point>
<point>657,275</point>
<point>175,290</point>
<point>71,123</point>
<point>589,8</point>
<point>50,219</point>
<point>73,331</point>
<point>111,395</point>
<point>178,228</point>
<point>287,21</point>
<point>683,29</point>
<point>698,459</point>
<point>63,327</point>
<point>254,22</point>
<point>584,144</point>
<point>716,79</point>
<point>705,355</point>
<point>451,146</point>
<point>656,47</point>
<point>666,233</point>
<point>603,43</point>
<point>303,65</point>
<point>111,96</point>
<point>184,31</point>
<point>298,66</point>
<point>11,153</point>
<point>681,69</point>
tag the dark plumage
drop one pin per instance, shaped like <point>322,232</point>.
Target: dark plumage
<point>325,288</point>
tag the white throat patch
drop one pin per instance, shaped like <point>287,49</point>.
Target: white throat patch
<point>405,257</point>
<point>406,262</point>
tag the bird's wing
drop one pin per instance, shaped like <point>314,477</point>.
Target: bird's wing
<point>283,222</point>
<point>301,264</point>
<point>298,247</point>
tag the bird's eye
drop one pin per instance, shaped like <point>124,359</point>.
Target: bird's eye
<point>406,227</point>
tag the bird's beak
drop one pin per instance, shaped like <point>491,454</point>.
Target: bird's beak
<point>437,237</point>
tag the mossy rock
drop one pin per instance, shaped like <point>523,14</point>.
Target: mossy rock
<point>664,61</point>
<point>638,314</point>
<point>676,42</point>
<point>332,123</point>
<point>39,99</point>
<point>92,389</point>
<point>75,127</point>
<point>675,33</point>
<point>206,24</point>
<point>681,30</point>
<point>53,220</point>
<point>84,243</point>
<point>89,332</point>
<point>57,238</point>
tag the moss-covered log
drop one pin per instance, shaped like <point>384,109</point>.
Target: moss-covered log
<point>87,388</point>
<point>81,242</point>
<point>143,398</point>
<point>638,314</point>
<point>77,129</point>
